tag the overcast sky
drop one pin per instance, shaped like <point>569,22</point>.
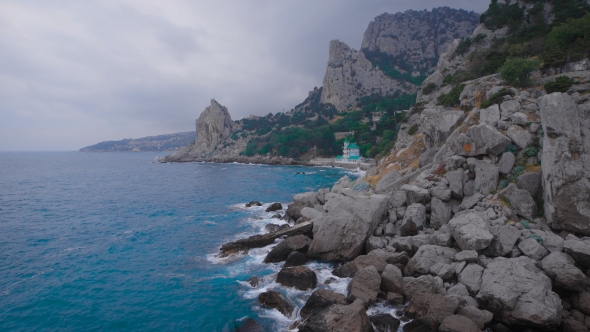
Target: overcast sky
<point>74,73</point>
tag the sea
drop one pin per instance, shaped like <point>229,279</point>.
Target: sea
<point>117,241</point>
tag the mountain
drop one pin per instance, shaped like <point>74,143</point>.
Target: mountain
<point>167,142</point>
<point>362,92</point>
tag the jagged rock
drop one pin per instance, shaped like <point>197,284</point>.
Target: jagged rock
<point>434,307</point>
<point>384,322</point>
<point>254,281</point>
<point>403,243</point>
<point>320,299</point>
<point>443,271</point>
<point>340,232</point>
<point>519,294</point>
<point>486,178</point>
<point>520,136</point>
<point>280,252</point>
<point>420,325</point>
<point>253,203</point>
<point>342,183</point>
<point>470,231</point>
<point>423,284</point>
<point>506,163</point>
<point>420,240</point>
<point>478,140</point>
<point>309,199</point>
<point>350,76</point>
<point>277,301</point>
<point>395,298</point>
<point>530,182</point>
<point>250,325</point>
<point>257,241</point>
<point>479,317</point>
<point>295,258</point>
<point>414,219</point>
<point>490,116</point>
<point>523,204</point>
<point>299,277</point>
<point>365,286</point>
<point>469,188</point>
<point>505,238</point>
<point>349,269</point>
<point>469,256</point>
<point>374,242</point>
<point>213,126</point>
<point>509,107</point>
<point>400,258</point>
<point>339,317</point>
<point>437,124</point>
<point>310,213</point>
<point>442,193</point>
<point>440,213</point>
<point>456,323</point>
<point>389,229</point>
<point>271,228</point>
<point>426,256</point>
<point>581,302</point>
<point>572,325</point>
<point>565,163</point>
<point>392,280</point>
<point>397,199</point>
<point>471,277</point>
<point>415,194</point>
<point>294,210</point>
<point>470,201</point>
<point>274,207</point>
<point>387,180</point>
<point>459,291</point>
<point>456,180</point>
<point>532,249</point>
<point>519,118</point>
<point>561,269</point>
<point>578,249</point>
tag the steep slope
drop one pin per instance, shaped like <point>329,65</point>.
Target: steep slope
<point>166,142</point>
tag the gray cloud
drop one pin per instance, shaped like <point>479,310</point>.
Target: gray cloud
<point>73,73</point>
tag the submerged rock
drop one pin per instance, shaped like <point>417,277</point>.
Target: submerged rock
<point>299,277</point>
<point>277,301</point>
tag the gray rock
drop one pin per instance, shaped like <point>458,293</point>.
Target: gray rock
<point>387,180</point>
<point>299,277</point>
<point>581,301</point>
<point>530,182</point>
<point>343,183</point>
<point>469,188</point>
<point>434,307</point>
<point>403,243</point>
<point>490,116</point>
<point>486,178</point>
<point>455,162</point>
<point>415,194</point>
<point>561,269</point>
<point>565,163</point>
<point>384,322</point>
<point>440,213</point>
<point>506,163</point>
<point>213,126</point>
<point>578,249</point>
<point>470,231</point>
<point>505,238</point>
<point>397,199</point>
<point>320,299</point>
<point>509,107</point>
<point>374,242</point>
<point>442,193</point>
<point>349,269</point>
<point>456,323</point>
<point>310,213</point>
<point>478,140</point>
<point>519,294</point>
<point>280,252</point>
<point>469,256</point>
<point>340,232</point>
<point>523,204</point>
<point>295,258</point>
<point>400,258</point>
<point>459,291</point>
<point>532,249</point>
<point>414,219</point>
<point>443,271</point>
<point>471,277</point>
<point>521,137</point>
<point>470,201</point>
<point>390,229</point>
<point>392,279</point>
<point>519,118</point>
<point>309,199</point>
<point>572,325</point>
<point>456,180</point>
<point>277,301</point>
<point>426,256</point>
<point>442,239</point>
<point>420,240</point>
<point>423,284</point>
<point>338,317</point>
<point>437,125</point>
<point>479,317</point>
<point>365,286</point>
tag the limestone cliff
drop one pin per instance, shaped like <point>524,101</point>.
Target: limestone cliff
<point>417,38</point>
<point>213,126</point>
<point>351,76</point>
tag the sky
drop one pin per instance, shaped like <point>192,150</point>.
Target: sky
<point>74,73</point>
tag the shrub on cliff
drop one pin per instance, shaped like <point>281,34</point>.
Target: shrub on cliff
<point>518,71</point>
<point>561,84</point>
<point>567,42</point>
<point>452,98</point>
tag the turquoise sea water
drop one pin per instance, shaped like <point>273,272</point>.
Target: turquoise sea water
<point>115,242</point>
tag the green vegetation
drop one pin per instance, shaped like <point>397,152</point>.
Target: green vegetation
<point>505,200</point>
<point>531,151</point>
<point>388,65</point>
<point>518,71</point>
<point>496,98</point>
<point>459,76</point>
<point>500,15</point>
<point>464,46</point>
<point>294,141</point>
<point>451,99</point>
<point>429,88</point>
<point>511,148</point>
<point>561,84</point>
<point>567,42</point>
<point>413,129</point>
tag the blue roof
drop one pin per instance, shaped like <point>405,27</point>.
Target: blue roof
<point>353,146</point>
<point>354,157</point>
<point>338,157</point>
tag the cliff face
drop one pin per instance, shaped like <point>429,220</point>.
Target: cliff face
<point>350,76</point>
<point>417,38</point>
<point>213,126</point>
